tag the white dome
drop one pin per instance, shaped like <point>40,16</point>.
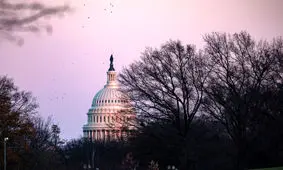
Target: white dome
<point>108,96</point>
<point>107,112</point>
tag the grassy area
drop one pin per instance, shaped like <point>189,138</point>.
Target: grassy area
<point>275,168</point>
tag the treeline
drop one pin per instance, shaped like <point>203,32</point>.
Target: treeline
<point>215,108</point>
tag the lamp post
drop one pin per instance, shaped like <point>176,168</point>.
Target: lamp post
<point>5,161</point>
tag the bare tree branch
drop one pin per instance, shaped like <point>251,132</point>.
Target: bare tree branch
<point>25,17</point>
<point>167,84</point>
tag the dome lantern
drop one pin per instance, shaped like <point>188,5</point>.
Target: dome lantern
<point>111,74</point>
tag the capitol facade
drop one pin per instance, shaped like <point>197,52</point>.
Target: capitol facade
<point>110,116</point>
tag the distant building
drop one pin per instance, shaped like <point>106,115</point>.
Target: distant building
<point>110,117</point>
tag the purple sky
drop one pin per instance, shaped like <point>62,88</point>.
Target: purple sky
<point>65,70</point>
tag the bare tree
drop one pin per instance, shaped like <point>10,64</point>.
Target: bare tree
<point>166,86</point>
<point>243,71</point>
<point>17,108</point>
<point>23,16</point>
<point>31,138</point>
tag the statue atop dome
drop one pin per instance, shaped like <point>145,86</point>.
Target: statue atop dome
<point>111,64</point>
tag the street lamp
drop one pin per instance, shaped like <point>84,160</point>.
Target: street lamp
<point>5,163</point>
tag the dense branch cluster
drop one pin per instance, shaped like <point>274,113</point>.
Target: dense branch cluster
<point>166,84</point>
<point>234,80</point>
<point>245,77</point>
<point>30,138</point>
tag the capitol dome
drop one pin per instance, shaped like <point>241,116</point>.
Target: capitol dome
<point>108,96</point>
<point>108,107</point>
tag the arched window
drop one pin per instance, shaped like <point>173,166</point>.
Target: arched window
<point>104,119</point>
<point>100,119</point>
<point>108,119</point>
<point>93,118</point>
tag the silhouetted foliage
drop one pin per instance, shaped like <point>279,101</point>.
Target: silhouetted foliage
<point>237,83</point>
<point>167,86</point>
<point>244,73</point>
<point>83,153</point>
<point>31,143</point>
<point>220,108</point>
<point>208,146</point>
<point>43,151</point>
<point>16,111</point>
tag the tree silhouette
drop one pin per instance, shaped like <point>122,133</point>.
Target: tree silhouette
<point>17,108</point>
<point>166,86</point>
<point>243,73</point>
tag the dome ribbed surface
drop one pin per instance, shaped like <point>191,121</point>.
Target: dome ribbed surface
<point>107,96</point>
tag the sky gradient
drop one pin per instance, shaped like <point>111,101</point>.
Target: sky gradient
<point>66,69</point>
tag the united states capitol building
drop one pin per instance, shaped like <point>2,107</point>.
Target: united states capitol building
<point>110,116</point>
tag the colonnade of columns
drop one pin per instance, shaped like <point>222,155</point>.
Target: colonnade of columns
<point>105,134</point>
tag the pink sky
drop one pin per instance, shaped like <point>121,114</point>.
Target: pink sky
<point>65,70</point>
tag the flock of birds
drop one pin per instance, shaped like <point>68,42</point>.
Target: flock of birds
<point>107,9</point>
<point>51,99</point>
<point>111,6</point>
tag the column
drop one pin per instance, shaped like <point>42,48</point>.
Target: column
<point>104,134</point>
<point>98,134</point>
<point>113,134</point>
<point>123,134</point>
<point>116,134</point>
<point>108,135</point>
<point>93,133</point>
